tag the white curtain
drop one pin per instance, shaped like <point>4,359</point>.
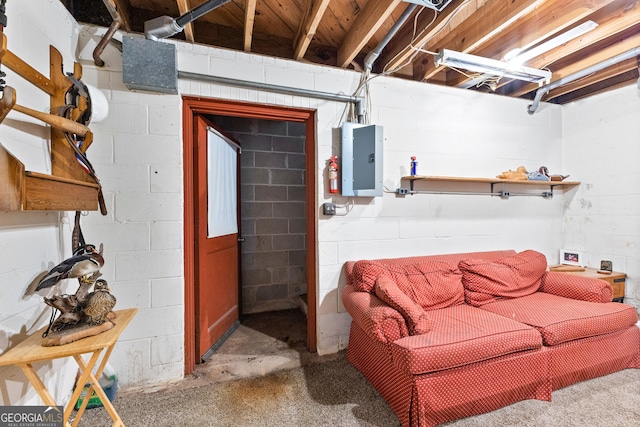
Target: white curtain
<point>222,185</point>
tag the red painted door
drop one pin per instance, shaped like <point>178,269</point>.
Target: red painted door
<point>217,257</point>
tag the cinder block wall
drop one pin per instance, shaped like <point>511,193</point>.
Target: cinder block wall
<point>273,211</point>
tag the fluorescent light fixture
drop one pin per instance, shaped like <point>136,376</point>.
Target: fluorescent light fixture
<point>523,57</point>
<point>437,5</point>
<point>490,66</point>
<point>517,56</point>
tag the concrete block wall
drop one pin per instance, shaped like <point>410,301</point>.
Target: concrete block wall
<point>273,213</point>
<point>32,242</point>
<point>600,145</point>
<point>138,155</point>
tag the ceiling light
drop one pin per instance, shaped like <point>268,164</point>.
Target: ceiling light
<point>493,67</point>
<point>437,5</point>
<point>523,57</point>
<point>517,56</point>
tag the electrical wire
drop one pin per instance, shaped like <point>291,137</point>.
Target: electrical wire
<point>414,38</point>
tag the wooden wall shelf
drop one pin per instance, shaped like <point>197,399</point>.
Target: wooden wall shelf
<point>25,190</point>
<point>491,181</point>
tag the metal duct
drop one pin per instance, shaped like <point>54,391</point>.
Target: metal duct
<point>580,74</point>
<point>358,101</point>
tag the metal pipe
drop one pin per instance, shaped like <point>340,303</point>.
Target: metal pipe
<point>198,11</point>
<point>373,55</point>
<point>546,195</point>
<point>106,38</point>
<point>166,26</point>
<point>104,41</point>
<point>582,73</point>
<point>358,101</point>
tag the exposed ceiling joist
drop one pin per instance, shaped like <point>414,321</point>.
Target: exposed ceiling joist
<point>365,26</point>
<point>342,32</point>
<point>183,7</point>
<point>311,22</point>
<point>401,52</point>
<point>249,21</point>
<point>487,23</point>
<point>544,22</point>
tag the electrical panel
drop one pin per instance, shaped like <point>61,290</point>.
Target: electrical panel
<point>362,154</point>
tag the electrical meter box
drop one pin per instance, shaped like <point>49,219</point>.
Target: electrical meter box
<point>362,160</point>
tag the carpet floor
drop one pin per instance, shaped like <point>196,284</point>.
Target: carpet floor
<point>333,393</point>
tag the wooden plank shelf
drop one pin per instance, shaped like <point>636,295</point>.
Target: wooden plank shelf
<point>491,181</point>
<point>25,190</point>
<point>488,180</point>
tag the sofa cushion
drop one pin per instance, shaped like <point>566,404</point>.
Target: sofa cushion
<point>461,335</point>
<point>562,319</point>
<point>418,321</point>
<point>576,287</point>
<point>365,273</point>
<point>509,277</point>
<point>432,284</point>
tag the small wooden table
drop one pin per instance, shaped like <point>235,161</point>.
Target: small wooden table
<point>31,350</point>
<point>616,279</point>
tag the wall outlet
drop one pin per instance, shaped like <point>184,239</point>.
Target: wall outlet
<point>329,208</point>
<point>402,191</point>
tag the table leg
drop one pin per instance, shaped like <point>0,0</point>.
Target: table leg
<point>95,386</point>
<point>41,389</point>
<point>82,380</point>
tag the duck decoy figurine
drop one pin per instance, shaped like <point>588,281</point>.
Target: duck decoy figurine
<point>97,304</point>
<point>86,261</point>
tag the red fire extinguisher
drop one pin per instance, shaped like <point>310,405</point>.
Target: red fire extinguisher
<point>333,174</point>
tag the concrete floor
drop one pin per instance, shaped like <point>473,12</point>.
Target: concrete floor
<point>263,343</point>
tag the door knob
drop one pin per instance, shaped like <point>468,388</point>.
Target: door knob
<point>240,239</point>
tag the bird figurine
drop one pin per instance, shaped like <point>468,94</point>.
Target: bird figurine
<point>98,304</point>
<point>82,265</point>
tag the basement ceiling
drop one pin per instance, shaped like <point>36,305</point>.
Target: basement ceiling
<point>342,32</point>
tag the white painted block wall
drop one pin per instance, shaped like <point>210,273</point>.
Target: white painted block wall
<point>32,242</point>
<point>138,156</point>
<point>601,147</point>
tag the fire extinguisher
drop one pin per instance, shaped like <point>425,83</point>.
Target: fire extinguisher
<point>333,174</point>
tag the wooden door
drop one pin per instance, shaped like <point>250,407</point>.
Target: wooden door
<point>194,106</point>
<point>217,256</point>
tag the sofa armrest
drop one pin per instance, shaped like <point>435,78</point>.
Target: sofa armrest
<point>576,287</point>
<point>378,320</point>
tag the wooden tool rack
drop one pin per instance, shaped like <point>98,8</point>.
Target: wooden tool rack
<point>68,187</point>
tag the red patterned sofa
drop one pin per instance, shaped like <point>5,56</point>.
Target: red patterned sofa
<point>449,336</point>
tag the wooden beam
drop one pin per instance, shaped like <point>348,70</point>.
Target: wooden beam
<point>626,79</point>
<point>606,74</point>
<point>486,23</point>
<point>310,26</point>
<point>623,43</point>
<point>542,23</point>
<point>249,19</point>
<point>183,7</point>
<point>614,23</point>
<point>401,52</point>
<point>363,28</point>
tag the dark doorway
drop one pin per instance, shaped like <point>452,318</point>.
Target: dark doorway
<point>299,281</point>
